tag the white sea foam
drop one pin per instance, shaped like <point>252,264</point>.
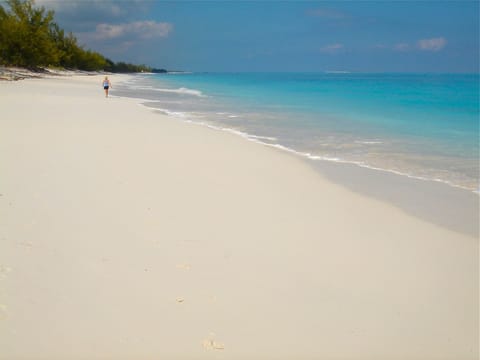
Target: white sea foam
<point>179,73</point>
<point>364,165</point>
<point>182,90</point>
<point>369,142</point>
<point>337,72</point>
<point>178,114</point>
<point>227,114</point>
<point>337,160</point>
<point>263,137</point>
<point>189,118</point>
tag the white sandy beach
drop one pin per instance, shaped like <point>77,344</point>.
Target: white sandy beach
<point>126,234</point>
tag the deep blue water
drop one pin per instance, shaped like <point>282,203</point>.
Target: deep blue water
<point>418,125</point>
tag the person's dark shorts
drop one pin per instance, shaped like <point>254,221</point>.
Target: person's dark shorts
<point>105,87</point>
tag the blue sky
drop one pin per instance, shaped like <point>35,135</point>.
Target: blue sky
<point>361,36</point>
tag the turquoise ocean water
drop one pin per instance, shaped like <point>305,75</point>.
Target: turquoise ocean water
<point>418,125</point>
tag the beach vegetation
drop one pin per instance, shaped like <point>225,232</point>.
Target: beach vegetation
<point>122,67</point>
<point>30,38</point>
<point>25,35</point>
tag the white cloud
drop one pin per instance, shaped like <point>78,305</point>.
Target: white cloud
<point>81,16</point>
<point>138,29</point>
<point>332,49</point>
<point>434,44</point>
<point>401,47</point>
<point>105,7</point>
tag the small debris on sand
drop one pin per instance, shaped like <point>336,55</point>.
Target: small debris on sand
<point>210,344</point>
<point>4,270</point>
<point>3,311</point>
<point>185,267</point>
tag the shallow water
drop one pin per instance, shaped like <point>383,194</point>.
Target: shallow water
<point>423,126</point>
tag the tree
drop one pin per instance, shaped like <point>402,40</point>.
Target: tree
<point>30,38</point>
<point>25,35</point>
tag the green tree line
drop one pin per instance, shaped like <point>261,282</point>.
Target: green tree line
<point>30,38</point>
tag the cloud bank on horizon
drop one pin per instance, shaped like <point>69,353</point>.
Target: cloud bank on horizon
<point>279,36</point>
<point>138,29</point>
<point>435,44</point>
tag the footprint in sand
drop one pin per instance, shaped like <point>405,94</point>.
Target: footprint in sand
<point>4,270</point>
<point>26,244</point>
<point>185,267</point>
<point>3,311</point>
<point>210,344</point>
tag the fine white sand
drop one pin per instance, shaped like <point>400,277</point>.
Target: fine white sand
<point>127,234</point>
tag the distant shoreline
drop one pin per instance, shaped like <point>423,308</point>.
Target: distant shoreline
<point>19,73</point>
<point>12,73</point>
<point>16,73</point>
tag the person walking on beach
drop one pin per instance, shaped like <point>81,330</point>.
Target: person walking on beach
<point>106,85</point>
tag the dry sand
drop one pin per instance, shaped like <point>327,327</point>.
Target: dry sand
<point>125,234</point>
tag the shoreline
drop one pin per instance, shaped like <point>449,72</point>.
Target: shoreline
<point>129,234</point>
<point>270,139</point>
<point>444,204</point>
<point>449,206</point>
